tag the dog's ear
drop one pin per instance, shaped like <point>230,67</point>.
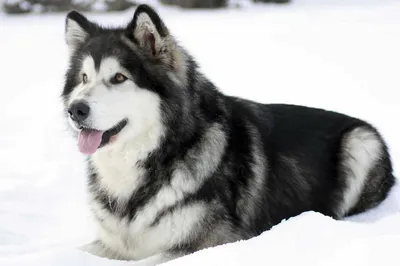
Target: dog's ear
<point>77,29</point>
<point>148,31</point>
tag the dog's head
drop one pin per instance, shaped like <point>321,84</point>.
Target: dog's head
<point>119,79</point>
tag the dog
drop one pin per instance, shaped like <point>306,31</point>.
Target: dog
<point>175,166</point>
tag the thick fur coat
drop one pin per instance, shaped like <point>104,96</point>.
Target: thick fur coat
<point>175,166</point>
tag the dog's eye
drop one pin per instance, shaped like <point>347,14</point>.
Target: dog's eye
<point>118,78</point>
<point>84,78</point>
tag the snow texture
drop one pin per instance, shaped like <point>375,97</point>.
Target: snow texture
<point>338,55</point>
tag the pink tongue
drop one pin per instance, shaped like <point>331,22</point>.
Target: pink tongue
<point>89,141</point>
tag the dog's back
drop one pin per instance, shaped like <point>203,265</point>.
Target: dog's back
<point>317,160</point>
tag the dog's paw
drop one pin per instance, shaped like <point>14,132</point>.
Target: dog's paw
<point>97,248</point>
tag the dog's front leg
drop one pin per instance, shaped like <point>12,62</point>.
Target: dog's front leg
<point>157,259</point>
<point>98,248</point>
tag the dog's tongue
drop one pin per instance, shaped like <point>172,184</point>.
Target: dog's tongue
<point>89,141</point>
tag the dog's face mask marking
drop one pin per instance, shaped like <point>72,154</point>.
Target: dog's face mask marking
<point>102,96</point>
<point>107,102</point>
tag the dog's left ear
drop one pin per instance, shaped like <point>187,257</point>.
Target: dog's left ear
<point>148,31</point>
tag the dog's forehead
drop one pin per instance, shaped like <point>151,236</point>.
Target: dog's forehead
<point>107,65</point>
<point>104,46</point>
<point>88,65</point>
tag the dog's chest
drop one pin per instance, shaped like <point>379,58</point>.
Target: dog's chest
<point>118,172</point>
<point>144,234</point>
<point>132,238</point>
<point>118,177</point>
<point>147,233</point>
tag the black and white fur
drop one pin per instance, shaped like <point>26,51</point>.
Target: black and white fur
<point>194,168</point>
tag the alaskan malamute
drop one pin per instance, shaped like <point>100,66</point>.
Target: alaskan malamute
<point>175,166</point>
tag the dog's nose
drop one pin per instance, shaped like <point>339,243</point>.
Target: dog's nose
<point>79,111</point>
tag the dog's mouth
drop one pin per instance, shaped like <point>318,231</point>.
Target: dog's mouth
<point>90,139</point>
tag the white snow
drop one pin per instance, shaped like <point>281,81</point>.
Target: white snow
<point>338,55</point>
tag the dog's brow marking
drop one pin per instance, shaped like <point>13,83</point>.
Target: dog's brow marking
<point>82,90</point>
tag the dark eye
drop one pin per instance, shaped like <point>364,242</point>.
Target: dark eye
<point>84,78</point>
<point>118,78</point>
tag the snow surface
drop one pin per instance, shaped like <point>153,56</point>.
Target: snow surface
<point>338,55</point>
